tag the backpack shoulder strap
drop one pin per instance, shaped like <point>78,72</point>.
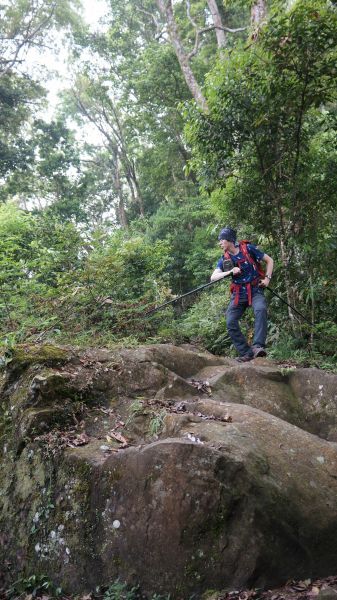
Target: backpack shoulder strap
<point>244,249</point>
<point>243,245</point>
<point>227,256</point>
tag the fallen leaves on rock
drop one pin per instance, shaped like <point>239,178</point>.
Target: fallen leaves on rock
<point>193,438</point>
<point>202,386</point>
<point>57,439</point>
<point>293,590</point>
<point>78,440</point>
<point>223,418</point>
<point>106,411</point>
<point>119,438</point>
<point>180,407</point>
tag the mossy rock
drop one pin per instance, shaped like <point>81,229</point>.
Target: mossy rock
<point>229,495</point>
<point>39,421</point>
<point>26,354</point>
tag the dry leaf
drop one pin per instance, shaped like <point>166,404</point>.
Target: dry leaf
<point>226,419</point>
<point>79,440</point>
<point>119,438</point>
<point>202,386</point>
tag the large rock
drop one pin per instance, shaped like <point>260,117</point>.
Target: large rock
<point>317,392</point>
<point>131,465</point>
<point>304,397</point>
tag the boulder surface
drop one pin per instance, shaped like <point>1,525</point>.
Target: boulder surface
<point>166,467</point>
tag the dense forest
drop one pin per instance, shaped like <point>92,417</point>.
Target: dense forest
<point>181,117</point>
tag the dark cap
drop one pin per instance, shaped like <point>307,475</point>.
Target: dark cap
<point>228,234</point>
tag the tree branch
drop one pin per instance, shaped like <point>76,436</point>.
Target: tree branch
<point>27,38</point>
<point>218,27</point>
<point>166,9</point>
<point>152,16</point>
<point>206,30</point>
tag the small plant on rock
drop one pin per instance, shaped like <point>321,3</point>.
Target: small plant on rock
<point>120,591</point>
<point>35,586</point>
<point>156,423</point>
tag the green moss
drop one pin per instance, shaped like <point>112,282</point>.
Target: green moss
<point>80,474</point>
<point>25,354</point>
<point>30,475</point>
<point>6,421</point>
<point>20,394</point>
<point>191,572</point>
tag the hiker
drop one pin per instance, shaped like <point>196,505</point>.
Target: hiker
<point>247,289</point>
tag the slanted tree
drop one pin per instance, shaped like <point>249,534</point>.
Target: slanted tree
<point>95,104</point>
<point>166,10</point>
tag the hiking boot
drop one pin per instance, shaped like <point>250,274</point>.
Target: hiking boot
<point>245,358</point>
<point>258,352</point>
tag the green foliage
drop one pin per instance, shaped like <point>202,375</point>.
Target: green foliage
<point>16,95</point>
<point>120,591</point>
<point>37,259</point>
<point>187,227</point>
<point>156,423</point>
<point>35,586</point>
<point>75,268</point>
<point>24,24</point>
<point>266,151</point>
<point>39,586</point>
<point>205,322</point>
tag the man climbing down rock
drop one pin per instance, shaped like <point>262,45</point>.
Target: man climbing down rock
<point>247,289</point>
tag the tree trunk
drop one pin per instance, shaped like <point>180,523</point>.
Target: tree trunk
<point>258,13</point>
<point>312,297</point>
<point>166,11</point>
<point>135,183</point>
<point>285,263</point>
<point>118,187</point>
<point>217,21</point>
<point>135,190</point>
<point>139,197</point>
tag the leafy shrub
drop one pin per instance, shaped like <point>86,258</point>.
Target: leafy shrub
<point>205,322</point>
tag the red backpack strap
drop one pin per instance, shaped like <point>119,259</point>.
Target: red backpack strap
<point>244,249</point>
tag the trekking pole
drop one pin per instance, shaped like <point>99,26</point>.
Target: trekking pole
<point>206,285</point>
<point>198,289</point>
<point>290,306</point>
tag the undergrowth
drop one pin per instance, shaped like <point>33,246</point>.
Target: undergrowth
<point>39,586</point>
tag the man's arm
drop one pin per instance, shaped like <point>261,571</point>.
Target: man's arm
<point>218,274</point>
<point>269,271</point>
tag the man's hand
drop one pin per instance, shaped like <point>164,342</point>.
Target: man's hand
<point>264,282</point>
<point>218,274</point>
